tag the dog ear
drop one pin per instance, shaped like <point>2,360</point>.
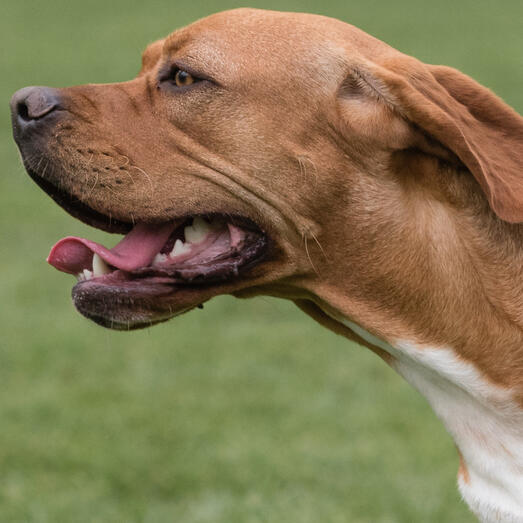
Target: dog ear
<point>460,114</point>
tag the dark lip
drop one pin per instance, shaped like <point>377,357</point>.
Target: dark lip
<point>119,326</point>
<point>137,305</point>
<point>145,298</point>
<point>78,209</point>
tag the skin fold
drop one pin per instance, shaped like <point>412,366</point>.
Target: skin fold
<point>389,192</point>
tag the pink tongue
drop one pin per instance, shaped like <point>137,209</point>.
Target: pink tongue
<point>137,249</point>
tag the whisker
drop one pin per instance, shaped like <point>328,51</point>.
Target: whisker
<point>146,175</point>
<point>320,246</point>
<point>93,187</point>
<point>308,255</point>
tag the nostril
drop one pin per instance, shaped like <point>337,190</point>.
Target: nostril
<point>22,111</point>
<point>34,103</point>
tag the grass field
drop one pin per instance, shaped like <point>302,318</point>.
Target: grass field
<point>245,411</point>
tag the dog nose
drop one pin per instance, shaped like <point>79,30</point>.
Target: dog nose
<point>33,103</point>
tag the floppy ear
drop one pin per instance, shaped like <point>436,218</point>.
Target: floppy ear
<point>465,117</point>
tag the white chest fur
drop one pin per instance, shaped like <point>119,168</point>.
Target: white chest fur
<point>484,420</point>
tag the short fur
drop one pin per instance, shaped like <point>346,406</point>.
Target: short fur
<point>391,191</point>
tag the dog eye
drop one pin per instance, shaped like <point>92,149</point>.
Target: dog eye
<point>178,78</point>
<point>183,78</point>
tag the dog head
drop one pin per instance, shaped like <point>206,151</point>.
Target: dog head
<point>259,152</point>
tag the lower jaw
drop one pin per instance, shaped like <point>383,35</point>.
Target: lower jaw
<point>124,300</point>
<point>130,304</point>
<point>133,306</point>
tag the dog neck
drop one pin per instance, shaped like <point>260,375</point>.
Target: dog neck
<point>484,420</point>
<point>455,334</point>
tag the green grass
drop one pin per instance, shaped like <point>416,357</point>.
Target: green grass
<point>242,412</point>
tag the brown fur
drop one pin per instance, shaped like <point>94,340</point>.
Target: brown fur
<point>372,172</point>
<point>391,190</point>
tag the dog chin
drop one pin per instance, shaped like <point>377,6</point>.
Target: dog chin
<point>128,307</point>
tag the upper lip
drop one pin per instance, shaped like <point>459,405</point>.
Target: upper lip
<point>77,208</point>
<point>99,220</point>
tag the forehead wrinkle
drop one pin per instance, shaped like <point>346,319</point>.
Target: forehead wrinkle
<point>198,52</point>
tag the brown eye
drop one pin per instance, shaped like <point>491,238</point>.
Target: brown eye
<point>182,78</point>
<point>178,79</point>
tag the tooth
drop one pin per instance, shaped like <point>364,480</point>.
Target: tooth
<point>196,232</point>
<point>80,276</point>
<point>179,248</point>
<point>159,258</point>
<point>87,274</point>
<point>200,223</point>
<point>99,266</point>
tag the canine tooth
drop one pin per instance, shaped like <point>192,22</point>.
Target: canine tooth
<point>200,223</point>
<point>87,274</point>
<point>179,248</point>
<point>196,232</point>
<point>160,258</point>
<point>99,266</point>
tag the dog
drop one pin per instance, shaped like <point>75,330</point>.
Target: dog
<point>296,156</point>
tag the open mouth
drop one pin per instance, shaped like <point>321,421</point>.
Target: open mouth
<point>189,251</point>
<point>158,270</point>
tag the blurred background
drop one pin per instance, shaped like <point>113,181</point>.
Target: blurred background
<point>246,411</point>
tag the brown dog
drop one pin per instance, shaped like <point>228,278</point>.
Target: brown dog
<point>382,195</point>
